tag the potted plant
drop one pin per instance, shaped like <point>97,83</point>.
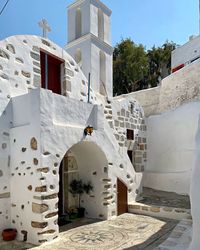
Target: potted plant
<point>72,213</point>
<point>77,188</point>
<point>9,234</point>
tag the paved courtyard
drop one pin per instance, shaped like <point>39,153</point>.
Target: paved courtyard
<point>127,231</point>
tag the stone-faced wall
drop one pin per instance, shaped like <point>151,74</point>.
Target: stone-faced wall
<point>20,73</point>
<point>20,69</point>
<point>128,115</point>
<point>43,126</point>
<point>177,89</point>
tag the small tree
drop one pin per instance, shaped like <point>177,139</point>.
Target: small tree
<point>76,188</point>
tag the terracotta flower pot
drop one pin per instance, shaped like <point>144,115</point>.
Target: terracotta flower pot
<point>9,234</point>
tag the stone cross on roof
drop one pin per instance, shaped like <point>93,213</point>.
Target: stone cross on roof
<point>45,27</point>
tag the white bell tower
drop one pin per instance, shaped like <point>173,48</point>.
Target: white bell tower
<point>89,42</point>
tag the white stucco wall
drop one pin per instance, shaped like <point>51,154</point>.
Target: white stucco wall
<point>24,176</point>
<point>194,194</point>
<point>148,99</point>
<point>5,171</point>
<point>171,151</point>
<point>90,43</point>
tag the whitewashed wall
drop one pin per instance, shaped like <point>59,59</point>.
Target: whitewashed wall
<point>194,194</point>
<point>5,170</point>
<point>172,149</point>
<point>148,99</point>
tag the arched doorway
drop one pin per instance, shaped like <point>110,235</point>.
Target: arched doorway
<point>84,161</point>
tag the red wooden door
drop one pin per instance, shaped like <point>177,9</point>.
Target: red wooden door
<point>54,72</point>
<point>122,198</point>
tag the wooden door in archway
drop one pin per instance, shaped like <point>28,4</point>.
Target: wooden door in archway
<point>122,198</point>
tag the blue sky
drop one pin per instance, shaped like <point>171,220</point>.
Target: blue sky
<point>150,22</point>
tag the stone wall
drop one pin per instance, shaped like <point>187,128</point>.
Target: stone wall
<point>39,127</point>
<point>20,69</point>
<point>148,99</point>
<point>59,134</point>
<point>175,90</point>
<point>180,87</point>
<point>128,115</point>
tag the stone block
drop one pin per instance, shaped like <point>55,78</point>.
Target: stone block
<point>51,215</point>
<point>35,56</point>
<point>19,60</point>
<point>36,224</point>
<point>37,64</point>
<point>49,197</point>
<point>41,189</point>
<point>123,112</point>
<point>5,195</point>
<point>137,207</point>
<point>4,76</point>
<point>144,208</point>
<point>167,209</point>
<point>4,54</point>
<point>45,42</point>
<point>138,160</point>
<point>127,113</point>
<point>50,231</point>
<point>36,49</point>
<point>67,86</point>
<point>155,209</point>
<point>36,70</point>
<point>35,161</point>
<point>33,143</point>
<point>39,208</point>
<point>69,72</point>
<point>11,48</point>
<point>43,170</point>
<point>26,74</point>
<point>37,80</point>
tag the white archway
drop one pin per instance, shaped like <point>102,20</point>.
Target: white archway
<point>84,161</point>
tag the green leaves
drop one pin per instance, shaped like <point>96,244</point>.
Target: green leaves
<point>135,69</point>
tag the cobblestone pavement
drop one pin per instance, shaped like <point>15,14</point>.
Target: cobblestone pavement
<point>128,231</point>
<point>166,199</point>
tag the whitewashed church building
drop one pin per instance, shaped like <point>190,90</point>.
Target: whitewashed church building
<point>49,96</point>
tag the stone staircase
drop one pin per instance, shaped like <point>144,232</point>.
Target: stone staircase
<point>158,203</point>
<point>108,114</point>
